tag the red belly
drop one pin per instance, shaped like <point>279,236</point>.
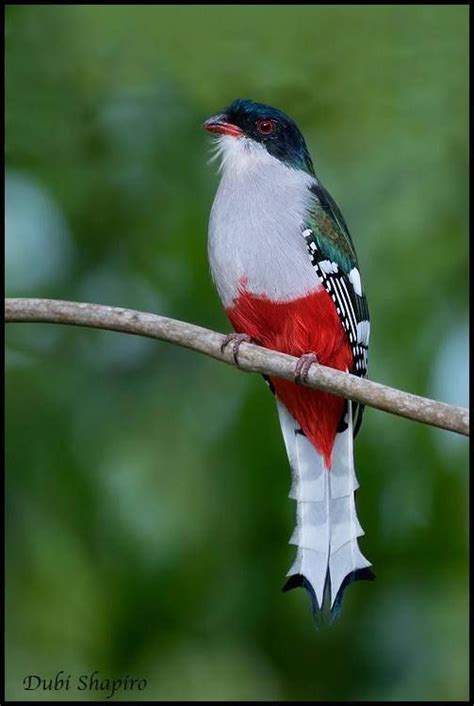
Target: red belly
<point>309,324</point>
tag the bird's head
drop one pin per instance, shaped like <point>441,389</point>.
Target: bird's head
<point>249,128</point>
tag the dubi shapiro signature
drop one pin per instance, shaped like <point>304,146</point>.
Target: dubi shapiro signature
<point>92,682</point>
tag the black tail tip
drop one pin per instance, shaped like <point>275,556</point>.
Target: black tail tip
<point>299,581</point>
<point>365,574</point>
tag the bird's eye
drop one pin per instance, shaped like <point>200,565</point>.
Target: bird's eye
<point>265,126</point>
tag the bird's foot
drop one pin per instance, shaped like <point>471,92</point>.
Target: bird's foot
<point>236,339</point>
<point>302,367</point>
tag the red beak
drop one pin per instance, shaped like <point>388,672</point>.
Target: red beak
<point>219,124</point>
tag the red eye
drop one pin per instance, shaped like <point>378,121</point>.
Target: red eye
<point>265,126</point>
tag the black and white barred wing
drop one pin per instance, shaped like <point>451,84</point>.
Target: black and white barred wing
<point>334,259</point>
<point>345,289</point>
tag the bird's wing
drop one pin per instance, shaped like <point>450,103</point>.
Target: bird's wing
<point>333,257</point>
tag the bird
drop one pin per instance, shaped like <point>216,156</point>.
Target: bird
<point>286,271</point>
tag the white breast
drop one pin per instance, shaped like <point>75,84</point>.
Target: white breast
<point>256,223</point>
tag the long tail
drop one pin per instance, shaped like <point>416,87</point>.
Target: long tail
<point>328,556</point>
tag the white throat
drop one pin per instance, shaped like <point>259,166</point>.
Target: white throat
<point>256,225</point>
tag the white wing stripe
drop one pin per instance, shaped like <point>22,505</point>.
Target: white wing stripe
<point>350,311</point>
<point>346,308</point>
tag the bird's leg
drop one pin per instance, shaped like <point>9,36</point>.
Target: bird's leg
<point>302,367</point>
<point>236,339</point>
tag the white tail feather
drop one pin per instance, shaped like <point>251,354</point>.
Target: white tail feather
<point>345,556</point>
<point>327,526</point>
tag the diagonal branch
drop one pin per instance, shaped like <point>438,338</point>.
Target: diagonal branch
<point>251,358</point>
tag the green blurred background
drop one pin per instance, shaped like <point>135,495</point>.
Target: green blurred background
<point>147,509</point>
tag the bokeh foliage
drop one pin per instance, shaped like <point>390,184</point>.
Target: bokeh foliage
<point>147,509</point>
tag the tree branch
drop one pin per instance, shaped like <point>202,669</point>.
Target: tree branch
<point>251,357</point>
